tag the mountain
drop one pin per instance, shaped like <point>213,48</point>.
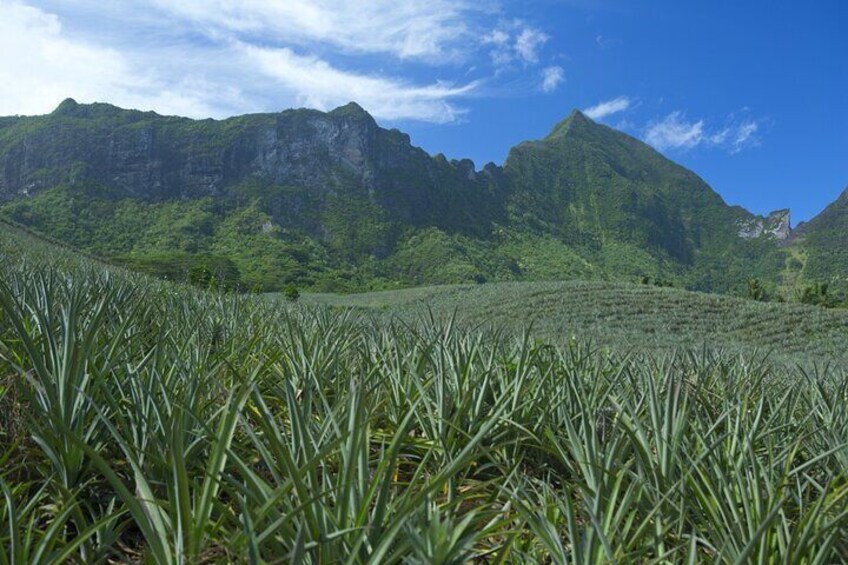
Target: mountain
<point>822,244</point>
<point>288,196</point>
<point>332,201</point>
<point>638,211</point>
<point>341,154</point>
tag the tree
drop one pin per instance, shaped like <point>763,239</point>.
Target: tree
<point>817,294</point>
<point>756,291</point>
<point>291,293</point>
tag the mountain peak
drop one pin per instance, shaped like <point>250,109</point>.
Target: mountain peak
<point>578,115</point>
<point>351,109</point>
<point>71,108</point>
<point>354,114</point>
<point>575,119</point>
<point>67,106</point>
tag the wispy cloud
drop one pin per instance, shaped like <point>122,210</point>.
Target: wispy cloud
<point>606,42</point>
<point>608,108</point>
<point>515,42</point>
<point>40,65</point>
<point>317,84</point>
<point>552,77</point>
<point>528,43</point>
<point>407,29</point>
<point>214,58</point>
<point>740,136</point>
<point>675,131</point>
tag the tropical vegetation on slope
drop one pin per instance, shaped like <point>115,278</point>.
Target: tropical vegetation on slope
<point>332,202</point>
<point>619,315</point>
<point>146,421</point>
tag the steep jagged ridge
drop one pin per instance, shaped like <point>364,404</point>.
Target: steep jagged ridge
<point>309,197</point>
<point>146,156</point>
<point>600,188</point>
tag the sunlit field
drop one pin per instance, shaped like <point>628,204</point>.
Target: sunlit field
<point>143,421</point>
<point>619,315</point>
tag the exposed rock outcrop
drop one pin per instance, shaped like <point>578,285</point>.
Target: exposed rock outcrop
<point>777,225</point>
<point>338,154</point>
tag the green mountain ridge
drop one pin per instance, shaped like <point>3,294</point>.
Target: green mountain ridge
<point>823,241</point>
<point>334,202</point>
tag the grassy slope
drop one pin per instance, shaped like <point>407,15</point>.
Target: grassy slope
<point>609,313</point>
<point>822,245</point>
<point>622,314</point>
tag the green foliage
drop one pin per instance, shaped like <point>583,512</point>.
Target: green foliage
<point>433,255</point>
<point>756,291</point>
<point>205,271</point>
<point>268,257</point>
<point>174,425</point>
<point>660,283</point>
<point>824,242</point>
<point>357,227</point>
<point>82,216</point>
<point>291,293</point>
<point>586,202</point>
<point>539,257</point>
<point>643,317</point>
<point>170,238</point>
<point>817,294</point>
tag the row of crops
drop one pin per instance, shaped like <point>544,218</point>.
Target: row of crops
<point>144,422</point>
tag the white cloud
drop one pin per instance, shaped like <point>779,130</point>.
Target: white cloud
<point>624,125</point>
<point>39,65</point>
<point>608,108</point>
<point>720,137</point>
<point>674,132</point>
<point>552,77</point>
<point>215,58</point>
<point>317,84</point>
<point>605,42</point>
<point>496,37</point>
<point>744,136</point>
<point>407,29</point>
<point>528,42</point>
<point>515,41</point>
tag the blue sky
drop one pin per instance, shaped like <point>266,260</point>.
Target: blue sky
<point>751,95</point>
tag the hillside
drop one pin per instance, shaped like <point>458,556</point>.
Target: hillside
<point>822,245</point>
<point>331,201</point>
<point>636,211</point>
<point>143,421</point>
<point>621,315</point>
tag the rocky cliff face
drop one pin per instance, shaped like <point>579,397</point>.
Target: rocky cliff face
<point>777,225</point>
<point>130,152</point>
<point>146,156</point>
<point>336,191</point>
